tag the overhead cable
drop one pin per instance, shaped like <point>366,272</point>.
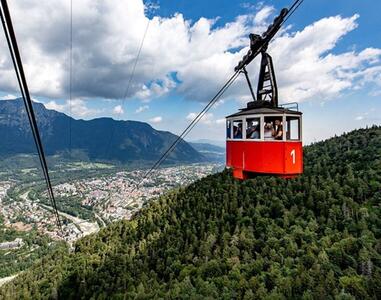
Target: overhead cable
<point>17,63</point>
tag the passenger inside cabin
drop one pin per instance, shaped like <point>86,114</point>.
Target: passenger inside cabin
<point>268,133</point>
<point>278,130</point>
<point>237,134</point>
<point>252,132</point>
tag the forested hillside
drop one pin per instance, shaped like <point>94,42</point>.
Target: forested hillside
<point>317,236</point>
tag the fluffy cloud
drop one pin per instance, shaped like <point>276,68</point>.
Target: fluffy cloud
<point>118,110</point>
<point>311,71</point>
<point>263,14</point>
<point>8,97</point>
<point>141,109</point>
<point>55,106</point>
<point>76,108</point>
<point>192,59</point>
<point>207,119</point>
<point>156,120</point>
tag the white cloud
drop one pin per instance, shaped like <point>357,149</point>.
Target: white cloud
<point>156,120</point>
<point>118,110</point>
<point>55,106</point>
<point>9,97</point>
<point>263,14</point>
<point>218,103</point>
<point>193,59</point>
<point>310,71</point>
<point>76,108</point>
<point>207,119</point>
<point>155,89</point>
<point>141,109</point>
<point>105,42</point>
<point>79,108</point>
<point>14,97</point>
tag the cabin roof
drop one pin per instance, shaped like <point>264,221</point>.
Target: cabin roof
<point>265,111</point>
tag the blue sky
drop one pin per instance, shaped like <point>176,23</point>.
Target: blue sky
<point>168,102</point>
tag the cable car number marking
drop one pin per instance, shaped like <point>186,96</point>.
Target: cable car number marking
<point>293,156</point>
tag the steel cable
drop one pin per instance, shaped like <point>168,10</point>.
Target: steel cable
<point>17,63</point>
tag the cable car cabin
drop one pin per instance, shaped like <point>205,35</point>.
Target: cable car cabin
<point>264,141</point>
<point>264,138</point>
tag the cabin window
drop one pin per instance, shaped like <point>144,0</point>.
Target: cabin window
<point>237,129</point>
<point>253,129</point>
<point>228,129</point>
<point>292,128</point>
<point>273,128</point>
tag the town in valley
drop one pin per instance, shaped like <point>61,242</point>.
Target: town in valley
<point>89,203</point>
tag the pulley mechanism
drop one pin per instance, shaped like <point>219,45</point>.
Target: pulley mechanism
<point>267,90</point>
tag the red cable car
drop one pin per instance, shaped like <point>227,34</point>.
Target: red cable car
<point>265,138</point>
<point>254,148</point>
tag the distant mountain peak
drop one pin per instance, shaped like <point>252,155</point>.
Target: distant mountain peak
<point>102,139</point>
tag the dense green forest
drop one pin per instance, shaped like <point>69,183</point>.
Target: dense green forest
<point>313,237</point>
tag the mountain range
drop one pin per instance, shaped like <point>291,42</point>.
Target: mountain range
<point>101,139</point>
<point>210,151</point>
